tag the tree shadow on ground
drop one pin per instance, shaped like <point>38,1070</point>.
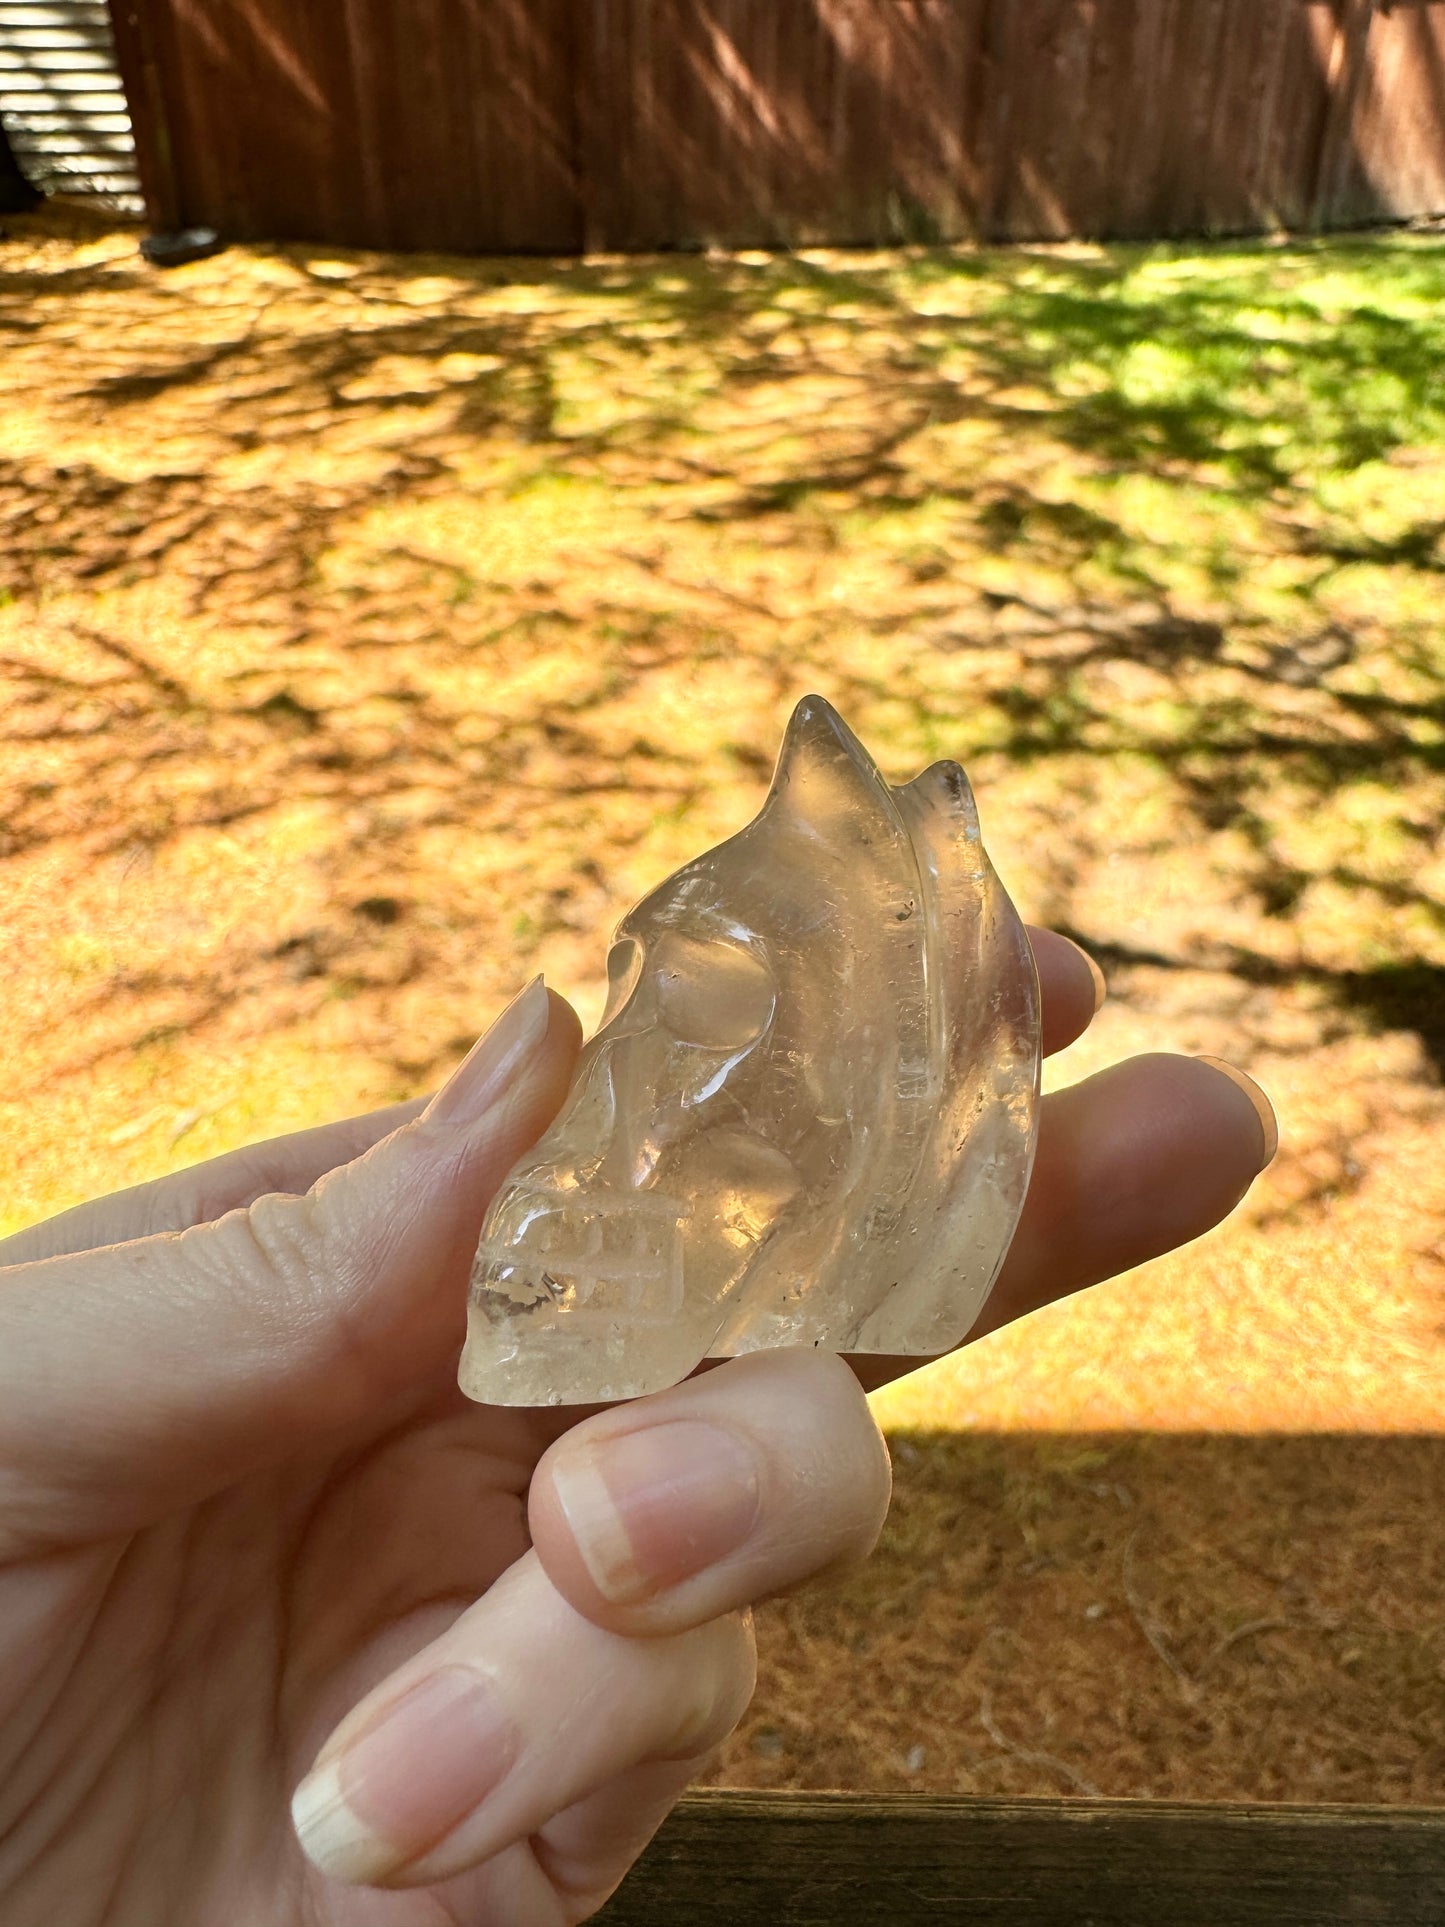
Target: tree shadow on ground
<point>1063,468</point>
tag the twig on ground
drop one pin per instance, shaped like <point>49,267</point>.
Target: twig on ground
<point>1247,1631</point>
<point>1188,1685</point>
<point>1029,1754</point>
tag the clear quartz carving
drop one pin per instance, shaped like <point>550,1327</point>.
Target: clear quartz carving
<point>808,1116</point>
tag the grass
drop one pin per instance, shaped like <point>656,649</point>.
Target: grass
<point>1119,1615</point>
<point>375,629</point>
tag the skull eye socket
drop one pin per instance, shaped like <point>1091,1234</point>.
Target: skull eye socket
<point>717,995</point>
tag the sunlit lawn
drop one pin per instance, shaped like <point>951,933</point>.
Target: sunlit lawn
<point>375,629</point>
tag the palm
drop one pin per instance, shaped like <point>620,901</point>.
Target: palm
<point>250,1625</point>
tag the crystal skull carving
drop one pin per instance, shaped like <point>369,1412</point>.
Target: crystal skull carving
<point>807,1117</point>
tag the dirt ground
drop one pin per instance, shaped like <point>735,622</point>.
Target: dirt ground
<point>374,629</point>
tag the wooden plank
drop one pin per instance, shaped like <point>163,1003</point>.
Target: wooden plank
<point>1291,106</point>
<point>150,110</point>
<point>1343,54</point>
<point>527,113</point>
<point>839,1860</point>
<point>910,170</point>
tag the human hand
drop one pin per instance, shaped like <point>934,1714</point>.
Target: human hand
<point>243,1507</point>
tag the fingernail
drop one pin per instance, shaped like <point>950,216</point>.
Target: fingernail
<point>1101,989</point>
<point>1264,1110</point>
<point>494,1060</point>
<point>651,1508</point>
<point>390,1796</point>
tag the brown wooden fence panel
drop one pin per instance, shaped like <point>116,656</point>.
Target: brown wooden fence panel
<point>739,121</point>
<point>558,124</point>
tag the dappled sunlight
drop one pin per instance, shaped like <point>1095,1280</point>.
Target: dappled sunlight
<point>373,631</point>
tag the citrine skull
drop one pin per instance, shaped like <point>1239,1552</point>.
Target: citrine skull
<point>807,1117</point>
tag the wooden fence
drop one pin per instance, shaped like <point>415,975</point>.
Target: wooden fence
<point>557,125</point>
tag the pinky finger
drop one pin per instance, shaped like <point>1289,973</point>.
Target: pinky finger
<point>523,1726</point>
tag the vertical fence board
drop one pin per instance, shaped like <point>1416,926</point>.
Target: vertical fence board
<point>1344,56</point>
<point>1390,160</point>
<point>146,91</point>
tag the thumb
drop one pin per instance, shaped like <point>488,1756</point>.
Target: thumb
<point>144,1375</point>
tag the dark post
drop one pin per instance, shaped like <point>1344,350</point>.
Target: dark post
<point>16,193</point>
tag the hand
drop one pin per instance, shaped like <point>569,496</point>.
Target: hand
<point>241,1500</point>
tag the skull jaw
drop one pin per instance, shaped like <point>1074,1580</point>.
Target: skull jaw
<point>579,1297</point>
<point>593,1367</point>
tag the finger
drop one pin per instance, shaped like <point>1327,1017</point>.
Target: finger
<point>571,1866</point>
<point>204,1192</point>
<point>518,1715</point>
<point>743,1482</point>
<point>1071,988</point>
<point>1131,1163</point>
<point>588,1849</point>
<point>150,1372</point>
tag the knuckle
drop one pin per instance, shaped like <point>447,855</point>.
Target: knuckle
<point>280,1241</point>
<point>285,1233</point>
